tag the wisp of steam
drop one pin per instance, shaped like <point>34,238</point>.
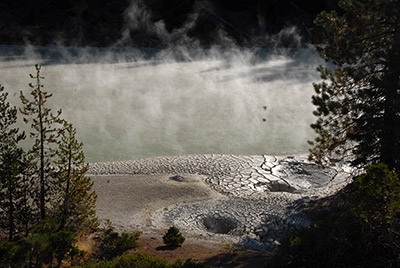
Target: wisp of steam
<point>134,103</point>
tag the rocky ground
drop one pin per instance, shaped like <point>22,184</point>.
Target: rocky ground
<point>250,201</point>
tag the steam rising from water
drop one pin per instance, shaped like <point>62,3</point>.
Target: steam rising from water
<point>130,104</point>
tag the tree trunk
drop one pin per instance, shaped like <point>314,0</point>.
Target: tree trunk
<point>42,179</point>
<point>66,199</point>
<point>11,226</point>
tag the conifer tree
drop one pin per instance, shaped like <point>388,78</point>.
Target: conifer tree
<point>44,131</point>
<point>12,166</point>
<point>75,200</point>
<point>358,102</point>
<point>173,237</point>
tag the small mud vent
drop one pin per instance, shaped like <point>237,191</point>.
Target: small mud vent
<point>220,225</point>
<point>179,178</point>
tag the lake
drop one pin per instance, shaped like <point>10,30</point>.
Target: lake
<point>134,103</point>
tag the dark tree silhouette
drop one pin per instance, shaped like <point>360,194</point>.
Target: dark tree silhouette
<point>44,132</point>
<point>358,102</point>
<point>11,167</point>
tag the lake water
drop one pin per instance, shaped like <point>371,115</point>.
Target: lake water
<point>134,103</point>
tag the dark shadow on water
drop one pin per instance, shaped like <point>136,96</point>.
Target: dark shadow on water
<point>287,71</point>
<point>18,66</point>
<point>141,64</point>
<point>11,58</point>
<point>223,67</point>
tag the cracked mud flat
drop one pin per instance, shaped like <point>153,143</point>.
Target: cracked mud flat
<point>249,200</point>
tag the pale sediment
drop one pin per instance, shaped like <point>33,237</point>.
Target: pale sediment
<point>251,200</point>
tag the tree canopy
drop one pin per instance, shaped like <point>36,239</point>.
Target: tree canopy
<point>45,197</point>
<point>44,131</point>
<point>358,101</point>
<point>12,165</point>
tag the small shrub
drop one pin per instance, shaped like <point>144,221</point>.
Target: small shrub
<point>46,245</point>
<point>377,200</point>
<point>173,237</point>
<point>112,244</point>
<point>179,263</point>
<point>11,254</point>
<point>142,260</point>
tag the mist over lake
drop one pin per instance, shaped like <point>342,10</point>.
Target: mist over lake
<point>135,103</point>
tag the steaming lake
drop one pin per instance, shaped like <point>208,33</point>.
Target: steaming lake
<point>134,103</point>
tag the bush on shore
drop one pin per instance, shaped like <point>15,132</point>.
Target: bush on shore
<point>173,237</point>
<point>113,244</point>
<point>142,260</point>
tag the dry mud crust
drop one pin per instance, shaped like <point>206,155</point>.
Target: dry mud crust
<point>250,200</point>
<point>130,200</point>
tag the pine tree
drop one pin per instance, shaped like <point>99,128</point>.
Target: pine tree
<point>75,200</point>
<point>358,102</point>
<point>44,132</point>
<point>11,167</point>
<point>173,237</point>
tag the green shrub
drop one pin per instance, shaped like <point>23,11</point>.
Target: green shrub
<point>173,237</point>
<point>179,263</point>
<point>142,260</point>
<point>377,206</point>
<point>328,244</point>
<point>11,254</point>
<point>46,245</point>
<point>377,200</point>
<point>112,244</point>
